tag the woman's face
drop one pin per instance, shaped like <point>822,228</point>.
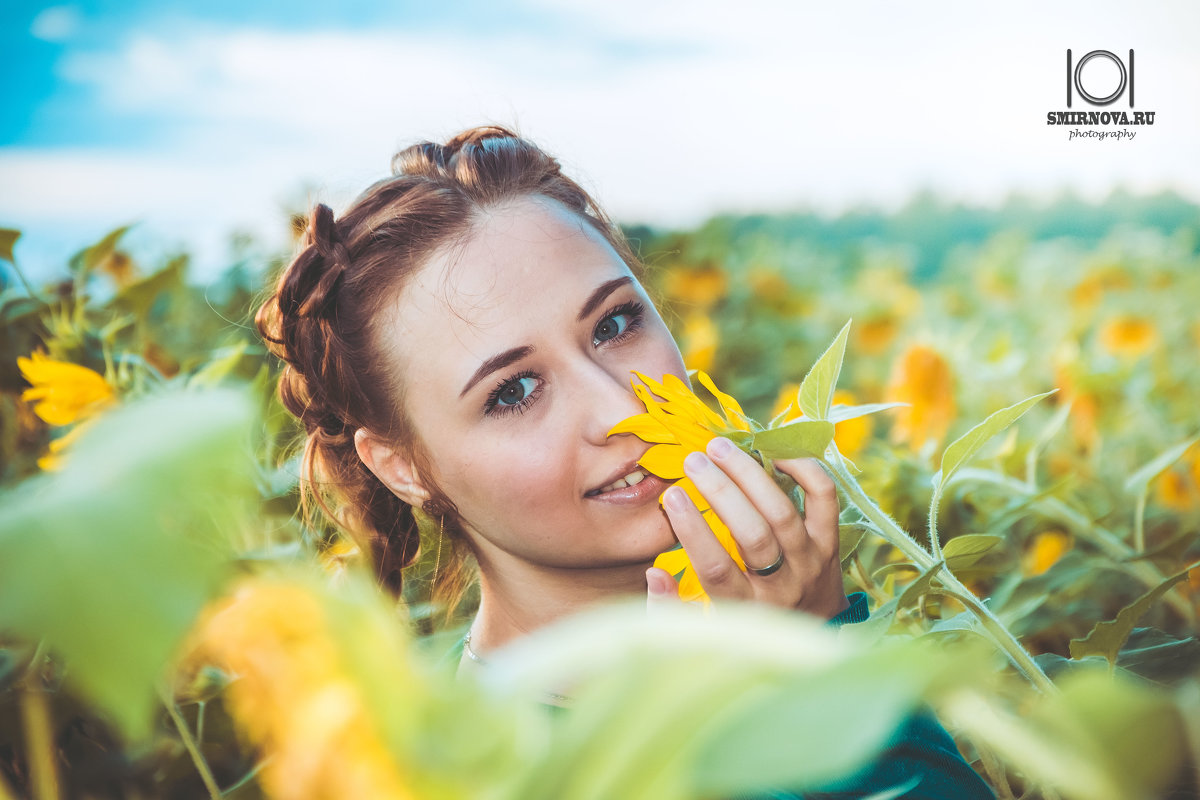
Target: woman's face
<point>515,352</point>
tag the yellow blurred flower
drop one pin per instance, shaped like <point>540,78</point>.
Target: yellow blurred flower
<point>1176,491</point>
<point>924,380</point>
<point>768,285</point>
<point>851,434</point>
<point>677,423</point>
<point>1045,551</point>
<point>876,333</point>
<point>53,460</point>
<point>700,340</point>
<point>62,392</point>
<point>785,401</point>
<point>1128,336</point>
<point>295,698</point>
<point>696,286</point>
<point>1089,291</point>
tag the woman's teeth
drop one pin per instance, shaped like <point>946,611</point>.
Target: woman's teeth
<point>632,479</point>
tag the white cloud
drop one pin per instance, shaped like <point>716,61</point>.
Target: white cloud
<point>670,111</point>
<point>56,24</point>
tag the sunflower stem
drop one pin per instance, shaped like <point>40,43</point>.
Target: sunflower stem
<point>897,537</point>
<point>1139,520</point>
<point>37,725</point>
<point>210,783</point>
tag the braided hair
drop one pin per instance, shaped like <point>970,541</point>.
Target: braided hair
<point>327,315</point>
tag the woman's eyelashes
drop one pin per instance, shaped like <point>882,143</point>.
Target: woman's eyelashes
<point>618,323</point>
<point>516,393</point>
<point>513,395</point>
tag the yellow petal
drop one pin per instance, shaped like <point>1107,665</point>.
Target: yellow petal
<point>62,392</point>
<point>645,427</point>
<point>673,561</point>
<point>731,407</point>
<point>664,460</point>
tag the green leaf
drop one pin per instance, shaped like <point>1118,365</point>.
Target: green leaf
<point>967,445</point>
<point>850,536</point>
<point>841,413</point>
<point>111,559</point>
<point>1159,656</point>
<point>966,550</point>
<point>800,439</point>
<point>88,259</point>
<point>816,390</point>
<point>1107,637</point>
<point>1143,477</point>
<point>137,298</point>
<point>913,592</point>
<point>8,238</point>
<point>222,364</point>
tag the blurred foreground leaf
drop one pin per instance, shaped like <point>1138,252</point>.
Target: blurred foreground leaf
<point>110,560</point>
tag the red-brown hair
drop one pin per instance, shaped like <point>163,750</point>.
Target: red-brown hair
<point>323,321</point>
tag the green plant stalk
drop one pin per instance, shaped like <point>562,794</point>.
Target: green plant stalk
<point>1106,541</point>
<point>897,537</point>
<point>25,281</point>
<point>6,791</point>
<point>935,539</point>
<point>39,739</point>
<point>35,720</point>
<point>210,783</point>
<point>1139,520</point>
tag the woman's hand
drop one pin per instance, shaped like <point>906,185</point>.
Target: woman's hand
<point>766,526</point>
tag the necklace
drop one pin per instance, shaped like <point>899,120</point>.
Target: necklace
<point>552,697</point>
<point>471,654</point>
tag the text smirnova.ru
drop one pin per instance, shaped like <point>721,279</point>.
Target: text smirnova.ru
<point>1100,118</point>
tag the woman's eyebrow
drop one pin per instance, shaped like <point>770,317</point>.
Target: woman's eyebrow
<point>602,291</point>
<point>499,361</point>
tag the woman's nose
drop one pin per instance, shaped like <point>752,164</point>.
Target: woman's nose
<point>610,399</point>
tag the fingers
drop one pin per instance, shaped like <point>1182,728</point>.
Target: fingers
<point>821,507</point>
<point>719,574</point>
<point>731,481</point>
<point>661,591</point>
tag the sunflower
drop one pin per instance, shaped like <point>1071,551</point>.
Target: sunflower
<point>296,697</point>
<point>700,341</point>
<point>1047,548</point>
<point>676,424</point>
<point>924,380</point>
<point>63,392</point>
<point>1128,336</point>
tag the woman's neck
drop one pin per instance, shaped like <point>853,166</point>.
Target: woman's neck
<point>517,598</point>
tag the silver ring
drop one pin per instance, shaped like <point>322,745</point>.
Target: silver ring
<point>769,569</point>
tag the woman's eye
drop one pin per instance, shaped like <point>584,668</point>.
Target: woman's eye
<point>611,327</point>
<point>617,323</point>
<point>512,392</point>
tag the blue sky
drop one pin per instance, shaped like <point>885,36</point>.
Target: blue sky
<point>197,119</point>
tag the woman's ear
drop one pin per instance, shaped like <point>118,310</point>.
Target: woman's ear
<point>394,469</point>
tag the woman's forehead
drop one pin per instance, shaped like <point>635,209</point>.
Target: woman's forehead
<point>528,261</point>
<point>530,251</point>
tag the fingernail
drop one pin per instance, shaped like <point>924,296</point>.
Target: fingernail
<point>696,462</point>
<point>720,447</point>
<point>675,499</point>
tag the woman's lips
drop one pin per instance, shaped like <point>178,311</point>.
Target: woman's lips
<point>649,488</point>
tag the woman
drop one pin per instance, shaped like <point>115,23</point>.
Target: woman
<point>461,341</point>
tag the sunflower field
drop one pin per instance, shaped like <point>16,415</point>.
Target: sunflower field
<point>1008,407</point>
